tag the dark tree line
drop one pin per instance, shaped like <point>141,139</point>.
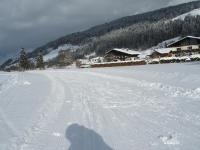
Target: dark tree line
<point>63,59</point>
<point>143,35</point>
<point>27,64</point>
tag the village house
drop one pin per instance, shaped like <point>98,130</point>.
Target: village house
<point>160,53</point>
<point>97,60</point>
<point>121,55</point>
<point>186,46</point>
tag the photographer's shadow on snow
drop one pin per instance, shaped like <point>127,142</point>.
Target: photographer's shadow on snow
<point>82,138</point>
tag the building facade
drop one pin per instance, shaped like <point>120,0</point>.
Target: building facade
<point>188,45</point>
<point>160,53</point>
<point>121,55</point>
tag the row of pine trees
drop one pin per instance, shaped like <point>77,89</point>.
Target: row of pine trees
<point>25,64</point>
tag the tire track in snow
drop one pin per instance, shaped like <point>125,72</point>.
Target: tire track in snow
<point>8,83</point>
<point>9,124</point>
<point>47,114</point>
<point>83,99</point>
<point>94,113</point>
<point>91,114</point>
<point>167,89</point>
<point>107,116</point>
<point>4,86</point>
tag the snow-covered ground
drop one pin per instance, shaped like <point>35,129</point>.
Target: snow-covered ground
<point>54,52</point>
<point>194,12</point>
<point>152,107</point>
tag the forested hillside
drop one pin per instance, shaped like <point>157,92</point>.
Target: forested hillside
<point>144,35</point>
<point>85,37</point>
<point>137,32</point>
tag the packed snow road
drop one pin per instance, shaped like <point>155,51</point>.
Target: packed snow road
<point>154,107</point>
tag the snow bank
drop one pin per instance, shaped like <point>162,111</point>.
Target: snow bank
<point>195,57</point>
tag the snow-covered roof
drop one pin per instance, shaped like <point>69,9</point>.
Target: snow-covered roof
<point>97,58</point>
<point>126,51</point>
<point>163,50</point>
<point>192,37</point>
<point>145,53</point>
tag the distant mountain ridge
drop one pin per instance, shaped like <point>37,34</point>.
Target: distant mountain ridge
<point>163,13</point>
<point>86,38</point>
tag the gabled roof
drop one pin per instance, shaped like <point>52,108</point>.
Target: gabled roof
<point>163,50</point>
<point>125,51</point>
<point>192,37</point>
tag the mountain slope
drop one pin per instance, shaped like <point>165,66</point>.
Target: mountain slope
<point>194,12</point>
<point>94,39</point>
<point>85,36</point>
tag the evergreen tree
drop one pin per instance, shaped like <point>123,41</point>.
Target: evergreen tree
<point>23,62</point>
<point>31,65</point>
<point>64,58</point>
<point>40,61</point>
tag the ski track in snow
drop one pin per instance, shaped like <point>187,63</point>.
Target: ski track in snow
<point>127,113</point>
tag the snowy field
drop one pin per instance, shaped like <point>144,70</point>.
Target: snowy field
<point>152,107</point>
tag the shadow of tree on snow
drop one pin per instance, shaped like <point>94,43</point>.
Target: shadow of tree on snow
<point>82,138</point>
